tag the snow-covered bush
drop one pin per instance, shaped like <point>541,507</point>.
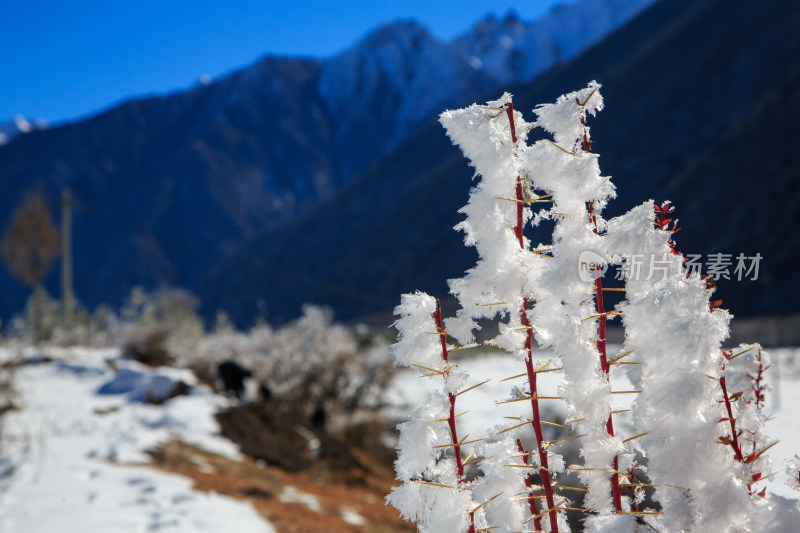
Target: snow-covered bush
<point>307,364</point>
<point>22,326</point>
<point>98,329</point>
<point>6,386</point>
<point>697,420</point>
<point>164,321</point>
<point>169,314</point>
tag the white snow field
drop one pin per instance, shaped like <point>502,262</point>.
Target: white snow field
<point>72,457</point>
<point>784,402</point>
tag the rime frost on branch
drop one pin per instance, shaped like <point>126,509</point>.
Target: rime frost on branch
<point>495,285</point>
<point>793,472</point>
<point>698,410</point>
<point>565,317</point>
<point>434,492</point>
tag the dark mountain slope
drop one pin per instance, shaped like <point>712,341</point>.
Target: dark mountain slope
<point>754,205</point>
<point>165,187</point>
<point>678,82</point>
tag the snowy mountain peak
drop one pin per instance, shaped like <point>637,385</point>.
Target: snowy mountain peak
<point>403,33</point>
<point>490,23</point>
<point>399,75</point>
<point>17,126</point>
<point>511,50</point>
<point>383,71</point>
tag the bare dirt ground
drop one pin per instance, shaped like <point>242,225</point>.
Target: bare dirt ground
<point>344,504</point>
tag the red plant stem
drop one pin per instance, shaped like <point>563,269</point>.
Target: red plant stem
<point>737,450</point>
<point>758,385</point>
<point>451,419</point>
<point>633,479</point>
<point>601,348</point>
<point>537,521</point>
<point>536,421</point>
<point>758,393</point>
<point>520,212</point>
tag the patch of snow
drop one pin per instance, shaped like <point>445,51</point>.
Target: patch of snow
<point>69,454</point>
<point>84,495</point>
<point>19,125</point>
<point>291,494</point>
<point>22,124</point>
<point>141,384</point>
<point>783,402</point>
<point>352,517</point>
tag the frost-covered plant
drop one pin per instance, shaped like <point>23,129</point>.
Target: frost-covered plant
<point>167,314</point>
<point>698,412</point>
<point>423,464</point>
<point>307,364</point>
<point>98,329</point>
<point>22,327</point>
<point>793,472</point>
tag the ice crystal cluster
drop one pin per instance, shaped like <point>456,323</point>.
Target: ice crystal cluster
<point>694,433</point>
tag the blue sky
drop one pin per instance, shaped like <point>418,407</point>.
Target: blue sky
<point>62,60</point>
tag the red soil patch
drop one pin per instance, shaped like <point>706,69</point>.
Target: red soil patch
<point>337,495</point>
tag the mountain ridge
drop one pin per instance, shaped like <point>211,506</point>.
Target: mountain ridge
<point>167,187</point>
<point>658,124</point>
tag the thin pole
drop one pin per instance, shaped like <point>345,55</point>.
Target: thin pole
<point>67,294</point>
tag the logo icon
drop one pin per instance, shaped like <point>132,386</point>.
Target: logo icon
<point>588,263</point>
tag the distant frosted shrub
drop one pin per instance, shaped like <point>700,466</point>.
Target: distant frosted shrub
<point>307,364</point>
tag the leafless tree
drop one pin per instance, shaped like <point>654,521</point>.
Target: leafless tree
<point>29,246</point>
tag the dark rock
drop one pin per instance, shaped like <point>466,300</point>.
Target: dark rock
<point>233,375</point>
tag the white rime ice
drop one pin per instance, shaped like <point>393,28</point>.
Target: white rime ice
<point>417,346</point>
<point>495,285</point>
<point>676,337</point>
<point>793,472</point>
<point>432,493</point>
<point>565,299</point>
<point>697,422</point>
<point>498,285</point>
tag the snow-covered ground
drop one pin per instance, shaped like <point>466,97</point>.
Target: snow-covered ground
<point>72,457</point>
<point>784,403</point>
<point>73,454</point>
